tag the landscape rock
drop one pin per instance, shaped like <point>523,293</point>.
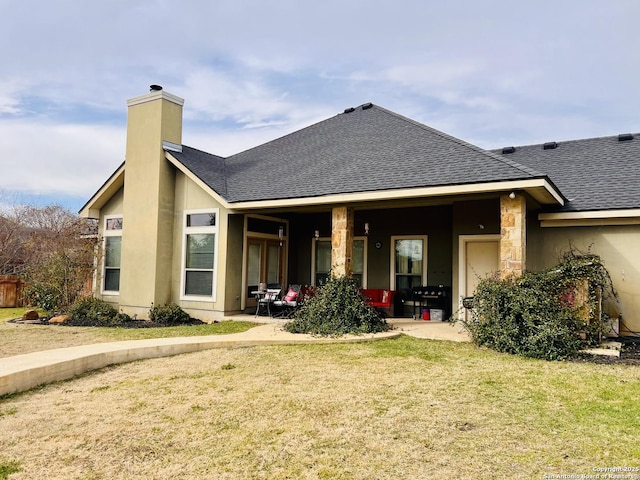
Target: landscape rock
<point>59,319</point>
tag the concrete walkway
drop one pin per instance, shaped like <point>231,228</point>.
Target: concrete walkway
<point>24,372</point>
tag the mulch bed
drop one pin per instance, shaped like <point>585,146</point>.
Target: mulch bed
<point>629,355</point>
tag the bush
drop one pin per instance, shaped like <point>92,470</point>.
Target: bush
<point>170,314</point>
<point>93,311</point>
<point>43,296</point>
<point>534,315</point>
<point>338,308</point>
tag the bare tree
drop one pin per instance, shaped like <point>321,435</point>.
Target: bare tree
<point>52,249</point>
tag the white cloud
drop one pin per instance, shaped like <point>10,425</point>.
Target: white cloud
<point>45,158</point>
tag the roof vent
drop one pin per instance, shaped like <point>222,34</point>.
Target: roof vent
<point>155,88</point>
<point>550,146</point>
<point>506,150</point>
<point>367,106</point>
<point>625,137</point>
<point>349,110</point>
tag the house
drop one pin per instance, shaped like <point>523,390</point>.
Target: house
<point>367,192</point>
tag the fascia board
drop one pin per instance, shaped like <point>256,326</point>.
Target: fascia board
<point>91,209</point>
<point>539,188</point>
<point>590,218</point>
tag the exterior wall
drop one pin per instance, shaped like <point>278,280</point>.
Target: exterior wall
<point>479,217</point>
<point>435,222</point>
<point>112,207</point>
<point>616,245</point>
<point>189,196</point>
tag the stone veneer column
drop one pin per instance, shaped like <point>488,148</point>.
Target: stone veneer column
<point>342,241</point>
<point>513,235</point>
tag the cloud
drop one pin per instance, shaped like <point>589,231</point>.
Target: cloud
<point>59,159</point>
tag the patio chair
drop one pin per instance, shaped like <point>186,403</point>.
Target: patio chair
<point>288,304</point>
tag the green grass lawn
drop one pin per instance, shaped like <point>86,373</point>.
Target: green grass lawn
<point>404,408</point>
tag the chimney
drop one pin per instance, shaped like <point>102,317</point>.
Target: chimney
<point>148,201</point>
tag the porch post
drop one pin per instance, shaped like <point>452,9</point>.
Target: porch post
<point>513,235</point>
<point>342,241</point>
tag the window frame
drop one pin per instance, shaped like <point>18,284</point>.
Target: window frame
<point>110,233</point>
<point>206,229</point>
<point>425,256</point>
<point>365,254</point>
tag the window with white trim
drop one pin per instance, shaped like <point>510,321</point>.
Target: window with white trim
<point>408,262</point>
<point>199,254</point>
<point>321,263</point>
<point>112,254</point>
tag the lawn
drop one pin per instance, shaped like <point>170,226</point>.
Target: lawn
<point>395,409</point>
<point>18,339</point>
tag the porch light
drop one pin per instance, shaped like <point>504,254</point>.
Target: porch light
<point>316,234</point>
<point>512,195</point>
<point>366,228</point>
<point>281,234</point>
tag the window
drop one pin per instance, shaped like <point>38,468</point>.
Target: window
<point>321,266</point>
<point>112,254</point>
<point>199,254</point>
<point>408,262</point>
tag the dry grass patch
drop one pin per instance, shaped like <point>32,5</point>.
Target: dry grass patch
<point>403,408</point>
<point>18,339</point>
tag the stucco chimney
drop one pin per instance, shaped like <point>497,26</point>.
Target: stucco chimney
<point>147,232</point>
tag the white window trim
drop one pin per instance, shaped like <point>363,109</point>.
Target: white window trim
<point>328,239</point>
<point>108,233</point>
<point>183,265</point>
<point>392,263</point>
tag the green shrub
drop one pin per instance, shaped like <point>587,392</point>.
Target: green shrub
<point>338,308</point>
<point>43,296</point>
<point>170,314</point>
<point>534,315</point>
<point>93,311</point>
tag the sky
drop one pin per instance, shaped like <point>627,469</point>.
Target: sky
<point>494,73</point>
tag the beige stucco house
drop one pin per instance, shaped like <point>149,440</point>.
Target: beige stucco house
<point>367,192</point>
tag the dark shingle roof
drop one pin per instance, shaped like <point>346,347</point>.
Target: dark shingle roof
<point>594,174</point>
<point>368,149</point>
<point>373,149</point>
<point>207,167</point>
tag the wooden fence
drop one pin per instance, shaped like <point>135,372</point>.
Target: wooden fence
<point>11,291</point>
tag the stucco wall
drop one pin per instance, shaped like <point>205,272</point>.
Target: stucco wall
<point>112,207</point>
<point>616,245</point>
<point>189,196</point>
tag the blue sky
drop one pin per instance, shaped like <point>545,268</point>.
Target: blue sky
<point>492,72</point>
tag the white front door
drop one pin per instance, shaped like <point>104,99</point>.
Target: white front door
<point>479,257</point>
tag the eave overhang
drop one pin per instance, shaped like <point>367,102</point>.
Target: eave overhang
<point>541,189</point>
<point>590,218</point>
<point>91,209</point>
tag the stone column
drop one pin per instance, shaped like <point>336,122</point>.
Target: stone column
<point>513,235</point>
<point>342,241</point>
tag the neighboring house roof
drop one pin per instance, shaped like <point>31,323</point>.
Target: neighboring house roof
<point>365,149</point>
<point>594,173</point>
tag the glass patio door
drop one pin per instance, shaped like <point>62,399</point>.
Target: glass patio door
<point>265,264</point>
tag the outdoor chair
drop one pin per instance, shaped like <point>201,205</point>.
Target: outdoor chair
<point>289,303</point>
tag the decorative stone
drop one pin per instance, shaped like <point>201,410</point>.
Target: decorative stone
<point>30,315</point>
<point>59,319</point>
